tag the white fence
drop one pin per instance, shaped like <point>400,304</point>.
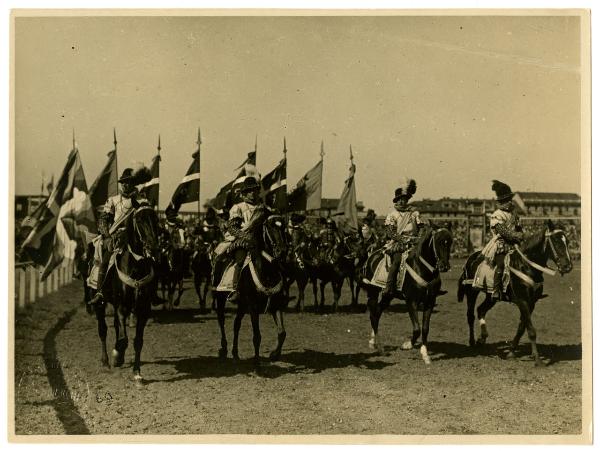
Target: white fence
<point>29,287</point>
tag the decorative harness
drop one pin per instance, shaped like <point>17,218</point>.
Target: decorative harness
<point>126,279</point>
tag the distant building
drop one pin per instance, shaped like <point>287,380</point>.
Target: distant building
<point>549,204</point>
<point>329,207</point>
<point>531,204</point>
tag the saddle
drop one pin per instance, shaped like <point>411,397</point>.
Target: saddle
<point>380,275</point>
<point>484,276</point>
<point>267,279</point>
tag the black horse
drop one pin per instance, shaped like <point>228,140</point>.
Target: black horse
<point>525,286</point>
<point>334,265</point>
<point>172,272</point>
<point>429,257</point>
<point>131,288</point>
<point>300,266</point>
<point>260,284</point>
<point>201,263</point>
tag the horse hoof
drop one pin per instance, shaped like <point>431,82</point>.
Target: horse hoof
<point>539,363</point>
<point>104,363</point>
<point>472,342</point>
<point>425,355</point>
<point>275,356</point>
<point>138,380</point>
<point>371,344</point>
<point>235,356</point>
<point>480,341</point>
<point>407,346</point>
<point>511,355</point>
<point>222,354</point>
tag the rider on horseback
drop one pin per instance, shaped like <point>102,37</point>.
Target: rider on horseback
<point>299,238</point>
<point>402,227</point>
<point>329,238</point>
<point>114,213</point>
<point>368,237</point>
<point>237,241</point>
<point>506,232</point>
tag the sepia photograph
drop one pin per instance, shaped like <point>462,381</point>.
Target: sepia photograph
<point>301,226</point>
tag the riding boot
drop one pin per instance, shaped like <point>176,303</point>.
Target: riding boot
<point>234,296</point>
<point>498,286</point>
<point>99,296</point>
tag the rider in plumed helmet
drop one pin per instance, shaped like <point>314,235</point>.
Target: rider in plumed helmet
<point>402,227</point>
<point>506,232</point>
<point>114,212</point>
<point>237,242</point>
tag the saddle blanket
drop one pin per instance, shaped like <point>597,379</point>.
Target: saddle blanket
<point>484,276</point>
<point>227,283</point>
<point>380,275</point>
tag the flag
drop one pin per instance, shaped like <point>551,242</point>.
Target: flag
<point>228,194</point>
<point>188,189</point>
<point>347,213</point>
<point>106,184</point>
<point>307,193</point>
<point>50,185</point>
<point>274,187</point>
<point>150,189</point>
<point>50,241</point>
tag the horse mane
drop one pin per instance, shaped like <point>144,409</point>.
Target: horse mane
<point>533,239</point>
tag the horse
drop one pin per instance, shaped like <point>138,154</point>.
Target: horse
<point>426,260</point>
<point>260,285</point>
<point>300,267</point>
<point>202,268</point>
<point>526,283</point>
<point>172,270</point>
<point>130,289</point>
<point>334,265</point>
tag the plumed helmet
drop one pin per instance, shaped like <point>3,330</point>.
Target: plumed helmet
<point>502,190</point>
<point>406,189</point>
<point>140,174</point>
<point>249,184</point>
<point>297,218</point>
<point>126,176</point>
<point>370,217</point>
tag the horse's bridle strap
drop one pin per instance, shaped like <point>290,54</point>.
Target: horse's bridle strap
<point>541,268</point>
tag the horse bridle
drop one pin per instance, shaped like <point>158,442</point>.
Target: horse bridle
<point>432,241</point>
<point>137,229</point>
<point>548,240</point>
<point>267,238</point>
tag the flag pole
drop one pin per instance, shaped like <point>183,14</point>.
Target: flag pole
<point>199,142</point>
<point>116,156</point>
<point>285,162</point>
<point>158,194</point>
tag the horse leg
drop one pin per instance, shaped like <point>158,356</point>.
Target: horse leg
<point>526,311</point>
<point>281,334</point>
<point>515,342</point>
<point>256,337</point>
<point>179,292</point>
<point>336,286</point>
<point>102,333</point>
<point>374,315</point>
<point>237,324</point>
<point>427,310</point>
<point>138,343</point>
<point>322,287</point>
<point>471,300</point>
<point>482,310</point>
<point>220,307</point>
<point>314,289</point>
<point>198,288</point>
<point>414,318</point>
<point>357,292</point>
<point>121,337</point>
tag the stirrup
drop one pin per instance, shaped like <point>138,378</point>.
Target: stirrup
<point>98,298</point>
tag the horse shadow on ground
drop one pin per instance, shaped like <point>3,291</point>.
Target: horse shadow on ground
<point>550,353</point>
<point>307,361</point>
<point>182,315</point>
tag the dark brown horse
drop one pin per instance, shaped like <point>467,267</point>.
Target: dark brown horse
<point>260,284</point>
<point>429,257</point>
<point>334,266</point>
<point>131,288</point>
<point>525,286</point>
<point>300,266</point>
<point>202,268</point>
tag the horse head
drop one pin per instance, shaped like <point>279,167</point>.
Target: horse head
<point>556,247</point>
<point>440,244</point>
<point>144,236</point>
<point>275,237</point>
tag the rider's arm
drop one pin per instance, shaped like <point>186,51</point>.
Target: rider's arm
<point>509,234</point>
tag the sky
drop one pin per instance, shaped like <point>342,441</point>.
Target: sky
<point>452,102</point>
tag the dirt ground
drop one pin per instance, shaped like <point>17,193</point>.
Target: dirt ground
<point>328,382</point>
